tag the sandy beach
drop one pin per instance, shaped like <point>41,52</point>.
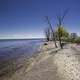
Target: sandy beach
<point>50,64</point>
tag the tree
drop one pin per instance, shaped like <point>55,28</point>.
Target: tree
<point>47,33</point>
<point>63,33</point>
<point>52,31</point>
<point>60,19</point>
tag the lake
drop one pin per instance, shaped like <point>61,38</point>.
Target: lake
<point>15,53</point>
<point>11,49</point>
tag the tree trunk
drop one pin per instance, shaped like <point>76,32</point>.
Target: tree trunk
<point>60,43</point>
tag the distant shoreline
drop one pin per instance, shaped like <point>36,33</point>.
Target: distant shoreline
<point>23,39</point>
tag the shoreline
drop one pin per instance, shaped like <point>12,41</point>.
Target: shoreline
<point>49,61</point>
<point>9,67</point>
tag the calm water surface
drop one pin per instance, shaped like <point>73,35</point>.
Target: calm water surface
<point>15,48</point>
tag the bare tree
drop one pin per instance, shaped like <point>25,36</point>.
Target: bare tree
<point>47,33</point>
<point>52,31</point>
<point>60,19</point>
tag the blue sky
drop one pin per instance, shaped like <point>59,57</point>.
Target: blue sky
<point>26,18</point>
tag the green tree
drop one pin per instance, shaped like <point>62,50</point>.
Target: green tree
<point>62,32</point>
<point>60,19</point>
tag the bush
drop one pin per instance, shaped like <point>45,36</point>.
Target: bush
<point>77,40</point>
<point>71,40</point>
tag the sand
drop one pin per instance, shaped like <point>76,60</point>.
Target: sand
<point>51,64</point>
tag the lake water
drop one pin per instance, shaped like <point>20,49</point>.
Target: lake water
<point>15,53</point>
<point>16,48</point>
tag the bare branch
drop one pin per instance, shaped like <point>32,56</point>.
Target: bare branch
<point>47,33</point>
<point>53,38</point>
<point>65,13</point>
<point>60,19</point>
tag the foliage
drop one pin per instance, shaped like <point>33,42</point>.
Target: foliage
<point>72,40</point>
<point>77,40</point>
<point>62,33</point>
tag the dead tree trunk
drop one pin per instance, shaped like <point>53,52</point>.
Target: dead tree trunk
<point>47,34</point>
<point>60,22</point>
<point>53,34</point>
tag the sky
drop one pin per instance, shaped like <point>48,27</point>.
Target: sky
<point>26,18</point>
